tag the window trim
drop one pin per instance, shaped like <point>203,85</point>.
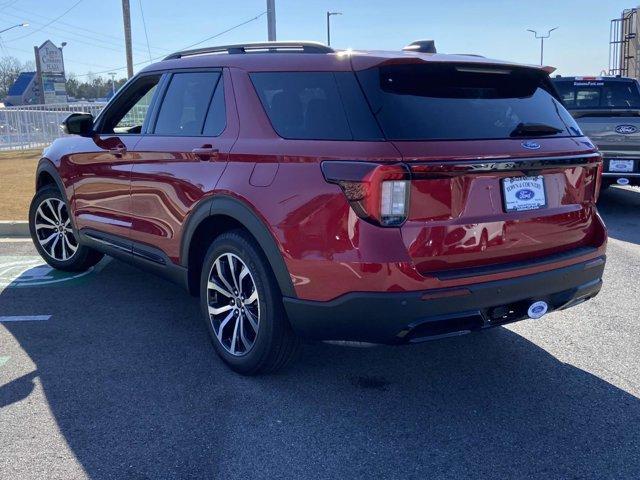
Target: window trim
<point>168,76</point>
<point>126,89</point>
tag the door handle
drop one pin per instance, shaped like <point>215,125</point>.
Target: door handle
<point>118,151</point>
<point>206,152</point>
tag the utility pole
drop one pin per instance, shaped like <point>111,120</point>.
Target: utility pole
<point>542,37</point>
<point>329,25</point>
<point>126,17</point>
<point>271,20</point>
<point>113,83</point>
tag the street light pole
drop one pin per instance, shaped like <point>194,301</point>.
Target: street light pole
<point>329,25</point>
<point>113,85</point>
<point>24,24</point>
<point>542,37</point>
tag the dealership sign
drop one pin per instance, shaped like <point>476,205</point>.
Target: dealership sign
<point>50,65</point>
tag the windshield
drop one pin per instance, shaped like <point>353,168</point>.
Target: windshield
<point>594,94</point>
<point>458,101</point>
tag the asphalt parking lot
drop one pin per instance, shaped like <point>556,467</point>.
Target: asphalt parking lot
<point>111,375</point>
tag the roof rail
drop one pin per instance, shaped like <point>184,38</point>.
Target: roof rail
<point>258,47</point>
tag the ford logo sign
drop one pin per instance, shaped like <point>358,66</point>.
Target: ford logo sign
<point>537,309</point>
<point>525,194</point>
<point>530,145</point>
<point>626,129</point>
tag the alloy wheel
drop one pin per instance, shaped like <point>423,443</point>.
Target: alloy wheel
<point>233,303</point>
<point>53,230</point>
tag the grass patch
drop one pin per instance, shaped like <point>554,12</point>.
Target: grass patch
<point>17,182</point>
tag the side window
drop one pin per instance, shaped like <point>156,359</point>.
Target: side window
<point>186,103</point>
<point>129,110</point>
<point>303,105</point>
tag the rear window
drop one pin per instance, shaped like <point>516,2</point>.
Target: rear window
<point>457,101</point>
<point>594,94</point>
<point>316,105</point>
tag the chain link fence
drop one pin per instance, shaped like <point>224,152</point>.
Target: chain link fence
<point>36,126</point>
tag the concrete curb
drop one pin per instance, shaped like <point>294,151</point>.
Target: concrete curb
<point>14,229</point>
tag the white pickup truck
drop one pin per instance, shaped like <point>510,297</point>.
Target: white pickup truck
<point>608,112</point>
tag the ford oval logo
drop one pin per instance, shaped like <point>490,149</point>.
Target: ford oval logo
<point>626,129</point>
<point>530,145</point>
<point>525,194</point>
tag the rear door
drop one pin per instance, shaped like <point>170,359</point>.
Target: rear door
<point>500,171</point>
<point>181,158</point>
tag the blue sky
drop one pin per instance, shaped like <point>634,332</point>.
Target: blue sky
<point>494,28</point>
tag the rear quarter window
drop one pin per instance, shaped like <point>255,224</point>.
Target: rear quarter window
<point>315,105</point>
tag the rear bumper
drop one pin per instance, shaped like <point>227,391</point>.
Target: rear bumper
<point>423,315</point>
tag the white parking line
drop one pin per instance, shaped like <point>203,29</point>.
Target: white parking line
<point>24,318</point>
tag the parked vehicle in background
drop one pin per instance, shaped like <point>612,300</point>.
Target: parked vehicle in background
<point>302,192</point>
<point>608,112</point>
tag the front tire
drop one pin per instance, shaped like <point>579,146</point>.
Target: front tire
<point>53,236</point>
<point>242,307</point>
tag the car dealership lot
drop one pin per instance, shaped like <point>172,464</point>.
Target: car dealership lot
<point>111,375</point>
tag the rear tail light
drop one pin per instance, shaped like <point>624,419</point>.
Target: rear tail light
<point>598,182</point>
<point>377,192</point>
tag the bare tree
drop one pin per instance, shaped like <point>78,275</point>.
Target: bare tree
<point>10,68</point>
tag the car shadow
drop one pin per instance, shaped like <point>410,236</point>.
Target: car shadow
<point>620,209</point>
<point>136,391</point>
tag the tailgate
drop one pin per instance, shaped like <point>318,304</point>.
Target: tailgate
<point>459,218</point>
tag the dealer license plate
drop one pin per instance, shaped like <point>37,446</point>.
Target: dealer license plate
<point>523,193</point>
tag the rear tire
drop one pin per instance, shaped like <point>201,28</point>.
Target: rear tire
<point>242,307</point>
<point>53,235</point>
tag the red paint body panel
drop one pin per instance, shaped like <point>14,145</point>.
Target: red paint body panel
<point>149,193</point>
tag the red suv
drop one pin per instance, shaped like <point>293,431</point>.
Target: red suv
<point>302,192</point>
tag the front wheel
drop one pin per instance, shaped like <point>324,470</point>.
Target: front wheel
<point>242,307</point>
<point>53,235</point>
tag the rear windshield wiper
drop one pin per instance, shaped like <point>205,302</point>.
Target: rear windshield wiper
<point>532,129</point>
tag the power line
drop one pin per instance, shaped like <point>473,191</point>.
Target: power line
<point>144,24</point>
<point>184,48</point>
<point>95,34</point>
<point>52,21</point>
<point>55,30</point>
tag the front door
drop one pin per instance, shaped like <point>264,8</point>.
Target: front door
<point>102,163</point>
<point>181,158</point>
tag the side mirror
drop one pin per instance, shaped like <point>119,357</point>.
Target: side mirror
<point>78,124</point>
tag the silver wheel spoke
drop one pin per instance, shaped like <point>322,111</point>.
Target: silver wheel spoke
<point>44,241</point>
<point>53,211</point>
<point>222,325</point>
<point>40,226</point>
<point>214,286</point>
<point>40,212</point>
<point>252,320</point>
<point>232,269</point>
<point>64,247</point>
<point>251,298</point>
<point>53,246</point>
<point>246,343</point>
<point>71,247</point>
<point>220,274</point>
<point>218,311</point>
<point>234,338</point>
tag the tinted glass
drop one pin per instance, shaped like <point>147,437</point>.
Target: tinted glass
<point>449,101</point>
<point>186,103</point>
<point>217,115</point>
<point>595,94</point>
<point>309,105</point>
